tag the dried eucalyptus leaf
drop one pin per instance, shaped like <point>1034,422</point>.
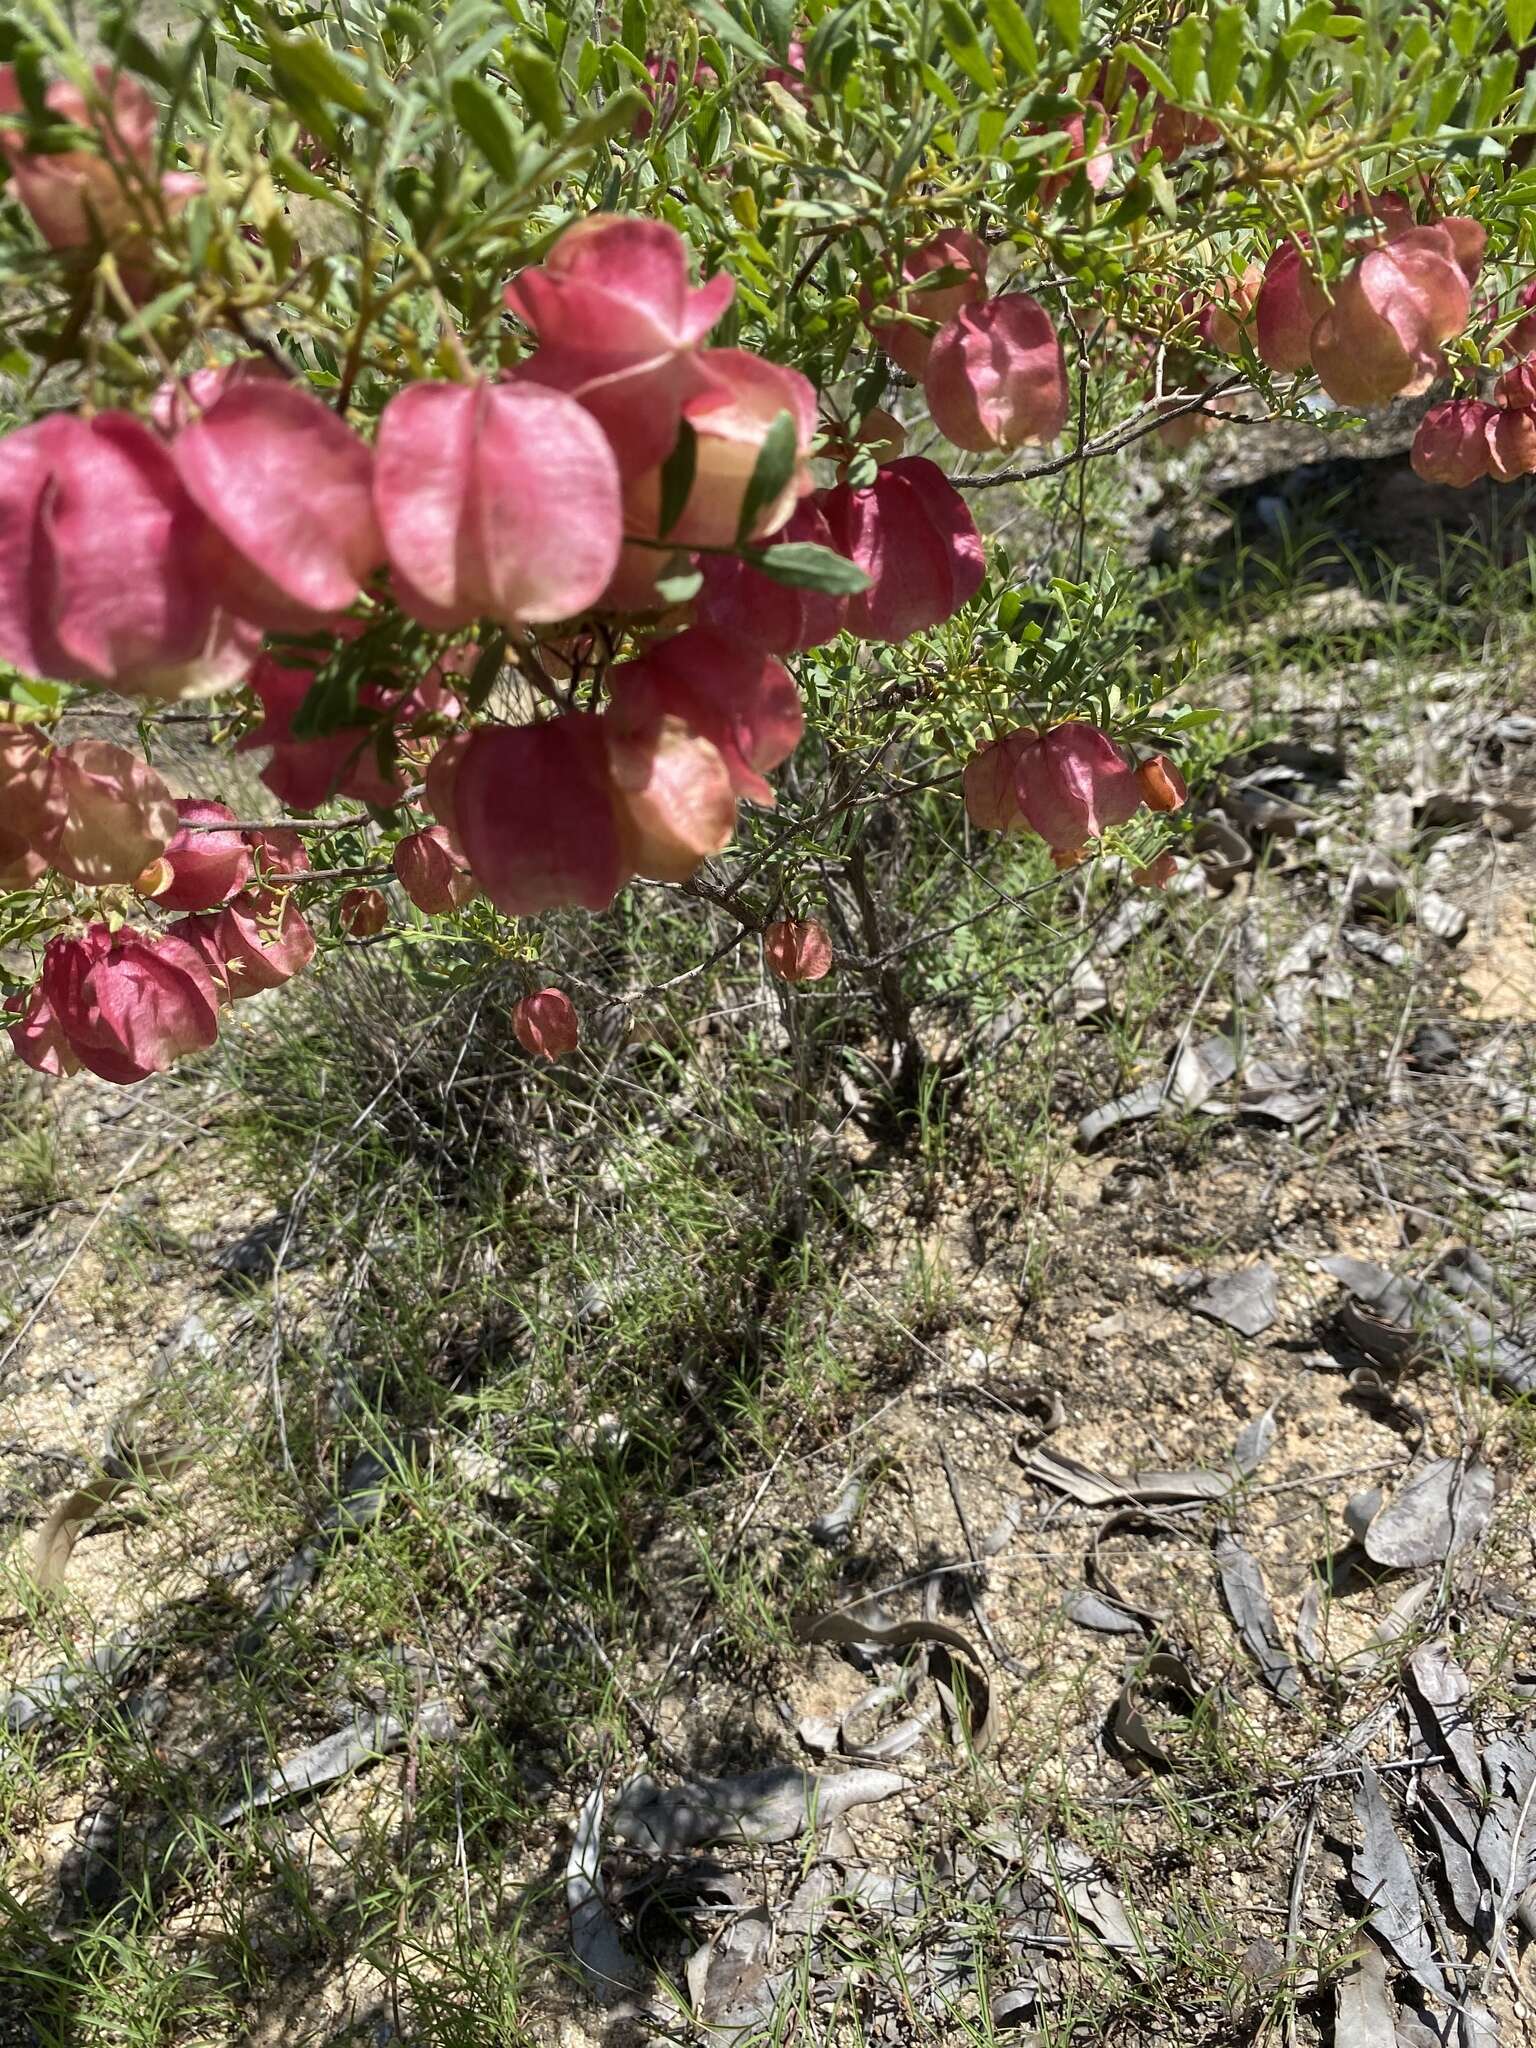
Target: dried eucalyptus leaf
<point>1506,1840</point>
<point>1101,1489</point>
<point>1442,1508</point>
<point>1449,1817</point>
<point>1439,1691</point>
<point>1089,1611</point>
<point>1383,1876</point>
<point>1254,1442</point>
<point>1199,1070</point>
<point>728,1981</point>
<point>760,1806</point>
<point>1086,1897</point>
<point>323,1763</point>
<point>1363,2012</point>
<point>1248,1603</point>
<point>952,1661</point>
<point>1129,1724</point>
<point>1246,1300</point>
<point>1361,1509</point>
<point>609,1968</point>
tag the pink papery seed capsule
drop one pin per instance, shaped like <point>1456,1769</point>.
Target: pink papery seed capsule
<point>912,534</point>
<point>431,872</point>
<point>996,376</point>
<point>1450,445</point>
<point>546,1025</point>
<point>207,867</point>
<point>797,949</point>
<point>362,913</point>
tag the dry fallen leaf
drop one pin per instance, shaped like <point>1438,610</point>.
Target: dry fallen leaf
<point>1440,1510</point>
<point>1363,2014</point>
<point>1246,1300</point>
<point>1439,1691</point>
<point>1383,1876</point>
<point>760,1806</point>
<point>1248,1603</point>
<point>952,1663</point>
<point>610,1970</point>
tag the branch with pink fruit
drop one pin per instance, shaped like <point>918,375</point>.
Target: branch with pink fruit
<point>520,540</point>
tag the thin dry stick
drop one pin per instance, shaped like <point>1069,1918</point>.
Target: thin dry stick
<point>1293,1904</point>
<point>1504,1897</point>
<point>1005,1657</point>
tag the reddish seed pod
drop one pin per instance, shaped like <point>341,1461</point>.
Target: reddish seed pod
<point>1451,445</point>
<point>1162,786</point>
<point>797,949</point>
<point>1068,784</point>
<point>546,1024</point>
<point>206,866</point>
<point>362,913</point>
<point>431,874</point>
<point>1157,874</point>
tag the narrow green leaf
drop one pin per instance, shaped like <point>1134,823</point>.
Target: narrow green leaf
<point>964,45</point>
<point>616,116</point>
<point>1149,68</point>
<point>485,118</point>
<point>488,666</point>
<point>311,65</point>
<point>1162,191</point>
<point>635,34</point>
<point>538,79</point>
<point>1186,55</point>
<point>805,566</point>
<point>1520,18</point>
<point>678,589</point>
<point>677,474</point>
<point>770,473</point>
<point>778,18</point>
<point>1224,58</point>
<point>130,48</point>
<point>1015,37</point>
<point>1066,17</point>
<point>730,31</point>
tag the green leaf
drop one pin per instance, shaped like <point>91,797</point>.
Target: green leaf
<point>729,30</point>
<point>1186,54</point>
<point>1015,37</point>
<point>678,589</point>
<point>1149,68</point>
<point>1224,58</point>
<point>773,469</point>
<point>616,116</point>
<point>291,176</point>
<point>1162,191</point>
<point>488,666</point>
<point>1520,18</point>
<point>130,48</point>
<point>309,64</point>
<point>964,45</point>
<point>1066,17</point>
<point>538,79</point>
<point>805,566</point>
<point>778,18</point>
<point>677,474</point>
<point>484,116</point>
<point>635,34</point>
